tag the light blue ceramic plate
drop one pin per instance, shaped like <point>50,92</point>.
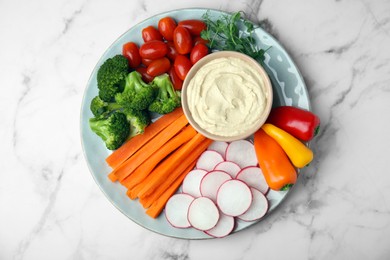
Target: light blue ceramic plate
<point>288,86</point>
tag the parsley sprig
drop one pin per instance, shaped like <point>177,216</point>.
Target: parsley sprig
<point>232,33</point>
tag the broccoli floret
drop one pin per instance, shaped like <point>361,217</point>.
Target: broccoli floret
<point>111,77</point>
<point>113,130</point>
<point>138,119</point>
<point>167,98</point>
<point>101,108</point>
<point>136,94</point>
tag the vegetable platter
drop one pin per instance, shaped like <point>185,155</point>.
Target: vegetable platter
<point>289,90</point>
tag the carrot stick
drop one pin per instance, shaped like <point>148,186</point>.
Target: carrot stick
<point>126,168</point>
<point>164,170</point>
<point>158,205</point>
<point>132,193</point>
<point>148,165</point>
<point>112,177</point>
<point>131,146</point>
<point>182,169</point>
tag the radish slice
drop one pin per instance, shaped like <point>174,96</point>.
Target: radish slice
<point>203,214</point>
<point>176,210</point>
<point>223,228</point>
<point>211,182</point>
<point>234,198</point>
<point>219,147</point>
<point>258,208</point>
<point>191,183</point>
<point>241,152</point>
<point>208,160</point>
<point>253,177</point>
<point>229,167</point>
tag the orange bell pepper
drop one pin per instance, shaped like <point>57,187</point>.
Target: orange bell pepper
<point>299,154</point>
<point>277,169</point>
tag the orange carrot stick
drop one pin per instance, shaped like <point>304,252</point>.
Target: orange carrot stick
<point>126,168</point>
<point>158,205</point>
<point>131,146</point>
<point>164,170</point>
<point>160,201</point>
<point>132,193</point>
<point>182,169</point>
<point>148,165</point>
<point>147,200</point>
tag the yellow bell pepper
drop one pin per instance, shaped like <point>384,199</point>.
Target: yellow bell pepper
<point>298,153</point>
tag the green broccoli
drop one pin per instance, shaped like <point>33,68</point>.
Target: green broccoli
<point>138,119</point>
<point>136,94</point>
<point>167,98</point>
<point>111,77</point>
<point>100,107</point>
<point>113,130</point>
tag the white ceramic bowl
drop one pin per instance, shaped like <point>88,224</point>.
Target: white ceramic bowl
<point>267,90</point>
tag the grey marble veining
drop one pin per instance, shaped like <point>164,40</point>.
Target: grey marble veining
<point>50,207</point>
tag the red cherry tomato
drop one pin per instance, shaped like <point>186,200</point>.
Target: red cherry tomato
<point>176,81</point>
<point>194,26</point>
<point>172,52</point>
<point>182,66</point>
<point>199,51</point>
<point>158,67</point>
<point>147,62</point>
<point>166,26</point>
<point>182,40</point>
<point>151,34</point>
<point>153,50</point>
<point>131,52</point>
<point>145,76</point>
<point>199,39</point>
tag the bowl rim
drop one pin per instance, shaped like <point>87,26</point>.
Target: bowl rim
<point>267,86</point>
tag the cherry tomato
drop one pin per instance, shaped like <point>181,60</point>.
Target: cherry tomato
<point>145,76</point>
<point>131,52</point>
<point>199,51</point>
<point>172,52</point>
<point>153,50</point>
<point>182,40</point>
<point>147,62</point>
<point>158,67</point>
<point>176,81</point>
<point>182,66</point>
<point>166,26</point>
<point>198,39</point>
<point>194,26</point>
<point>151,34</point>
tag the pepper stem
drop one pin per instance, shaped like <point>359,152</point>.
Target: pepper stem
<point>286,187</point>
<point>317,130</point>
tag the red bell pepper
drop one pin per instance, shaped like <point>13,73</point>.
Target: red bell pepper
<point>298,122</point>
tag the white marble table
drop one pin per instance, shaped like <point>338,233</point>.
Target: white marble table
<point>50,206</point>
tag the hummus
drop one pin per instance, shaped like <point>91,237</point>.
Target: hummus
<point>226,97</point>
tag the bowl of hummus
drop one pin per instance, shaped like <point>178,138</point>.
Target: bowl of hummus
<point>227,96</point>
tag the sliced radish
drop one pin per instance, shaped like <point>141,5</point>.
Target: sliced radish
<point>191,183</point>
<point>234,198</point>
<point>219,147</point>
<point>176,210</point>
<point>223,228</point>
<point>211,182</point>
<point>241,152</point>
<point>253,177</point>
<point>258,208</point>
<point>229,167</point>
<point>208,160</point>
<point>203,214</point>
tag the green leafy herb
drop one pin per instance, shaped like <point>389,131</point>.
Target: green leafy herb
<point>232,33</point>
